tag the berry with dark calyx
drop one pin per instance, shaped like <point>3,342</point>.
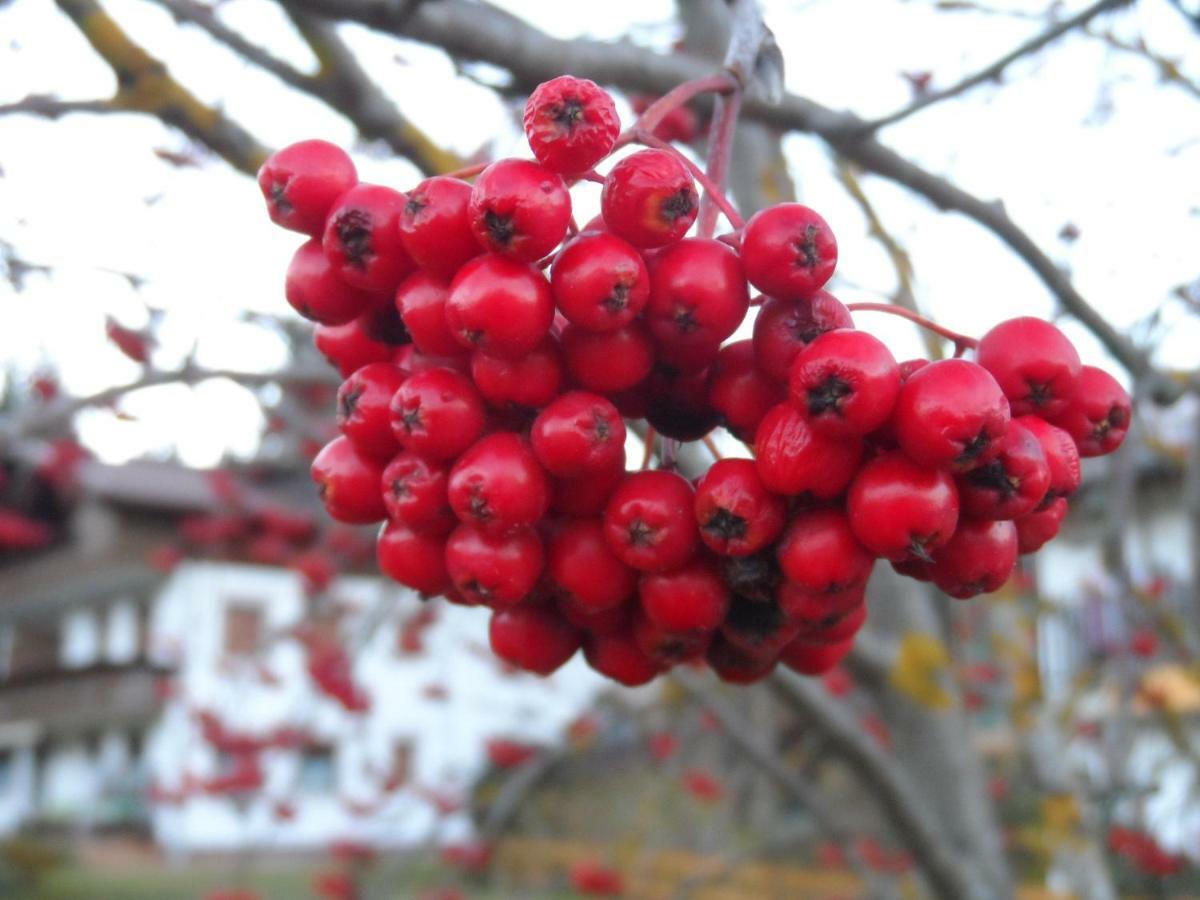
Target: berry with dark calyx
<point>571,124</point>
<point>498,484</point>
<point>437,414</point>
<point>754,578</point>
<point>599,281</point>
<point>737,515</point>
<point>315,291</point>
<point>348,482</point>
<point>301,182</point>
<point>648,522</point>
<point>819,553</point>
<point>666,647</point>
<point>1034,363</point>
<point>604,621</point>
<point>415,559</point>
<point>735,665</point>
<point>362,238</point>
<point>784,327</point>
<point>529,382</point>
<point>901,510</point>
<point>760,629</point>
<point>499,306</point>
<point>691,598</point>
<point>618,656</point>
<point>977,560</point>
<point>951,413</point>
<point>362,408</point>
<point>845,382</point>
<point>533,637</point>
<point>1012,484</point>
<point>519,209</point>
<point>740,392</point>
<point>649,199</point>
<point>414,492</point>
<point>579,433</point>
<point>788,250</point>
<point>1098,415</point>
<point>1035,529</point>
<point>496,570</point>
<point>583,566</point>
<point>1062,457</point>
<point>421,302</point>
<point>698,294</point>
<point>677,405</point>
<point>823,618</point>
<point>611,361</point>
<point>814,659</point>
<point>351,346</point>
<point>435,227</point>
<point>794,459</point>
<point>588,494</point>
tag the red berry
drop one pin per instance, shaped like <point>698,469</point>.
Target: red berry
<point>732,664</point>
<point>845,382</point>
<point>788,250</point>
<point>740,392</point>
<point>421,302</point>
<point>1098,415</point>
<point>316,292</point>
<point>668,647</point>
<point>600,282</point>
<point>414,492</point>
<point>362,408</point>
<point>348,482</point>
<point>435,227</point>
<point>648,522</point>
<point>819,553</point>
<point>737,515</point>
<point>415,559</point>
<point>1012,484</point>
<point>351,346</point>
<point>301,182</point>
<point>617,656</point>
<point>758,628</point>
<point>649,199</point>
<point>823,618</point>
<point>1062,457</point>
<point>495,570</point>
<point>499,306</point>
<point>571,124</point>
<point>437,414</point>
<point>794,459</point>
<point>951,413</point>
<point>604,621</point>
<point>977,560</point>
<point>362,238</point>
<point>579,433</point>
<point>535,638</point>
<point>411,360</point>
<point>586,495</point>
<point>582,565</point>
<point>677,404</point>
<point>698,295</point>
<point>1034,364</point>
<point>814,659</point>
<point>519,209</point>
<point>691,598</point>
<point>1035,529</point>
<point>785,327</point>
<point>899,509</point>
<point>526,383</point>
<point>610,361</point>
<point>498,484</point>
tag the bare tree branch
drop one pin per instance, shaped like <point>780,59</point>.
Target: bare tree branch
<point>49,107</point>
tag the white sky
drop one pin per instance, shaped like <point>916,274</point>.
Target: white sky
<point>1078,134</point>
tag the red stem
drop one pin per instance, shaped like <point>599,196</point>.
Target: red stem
<point>726,207</point>
<point>721,82</point>
<point>961,341</point>
<point>720,148</point>
<point>469,171</point>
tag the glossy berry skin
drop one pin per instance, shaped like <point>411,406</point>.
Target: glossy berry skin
<point>362,238</point>
<point>498,484</point>
<point>698,294</point>
<point>363,403</point>
<point>519,384</point>
<point>649,199</point>
<point>736,666</point>
<point>348,482</point>
<point>579,433</point>
<point>794,459</point>
<point>519,209</point>
<point>301,182</point>
<point>736,513</point>
<point>951,413</point>
<point>1062,457</point>
<point>499,306</point>
<point>414,492</point>
<point>1034,363</point>
<point>788,250</point>
<point>618,656</point>
<point>900,510</point>
<point>977,560</point>
<point>583,567</point>
<point>820,613</point>
<point>435,227</point>
<point>845,383</point>
<point>605,621</point>
<point>494,570</point>
<point>351,346</point>
<point>1035,529</point>
<point>600,282</point>
<point>421,302</point>
<point>412,361</point>
<point>739,392</point>
<point>1012,484</point>
<point>535,638</point>
<point>691,598</point>
<point>571,124</point>
<point>820,554</point>
<point>588,494</point>
<point>1098,416</point>
<point>667,648</point>
<point>814,659</point>
<point>316,292</point>
<point>610,361</point>
<point>413,558</point>
<point>648,521</point>
<point>784,327</point>
<point>437,414</point>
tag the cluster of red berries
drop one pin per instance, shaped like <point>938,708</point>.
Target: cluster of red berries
<point>484,410</point>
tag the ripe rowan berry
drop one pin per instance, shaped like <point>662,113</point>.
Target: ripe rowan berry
<point>1034,363</point>
<point>648,522</point>
<point>571,124</point>
<point>499,306</point>
<point>736,513</point>
<point>519,209</point>
<point>301,182</point>
<point>649,199</point>
<point>788,250</point>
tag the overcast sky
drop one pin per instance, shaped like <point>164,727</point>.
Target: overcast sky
<point>1081,133</point>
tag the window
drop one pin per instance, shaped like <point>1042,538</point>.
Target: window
<point>79,645</point>
<point>122,639</point>
<point>316,769</point>
<point>243,628</point>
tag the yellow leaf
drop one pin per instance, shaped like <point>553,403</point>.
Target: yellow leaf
<point>919,668</point>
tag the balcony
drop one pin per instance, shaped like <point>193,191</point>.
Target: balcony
<point>72,700</point>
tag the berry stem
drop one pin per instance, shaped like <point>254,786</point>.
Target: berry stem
<point>651,118</point>
<point>712,447</point>
<point>643,137</point>
<point>650,441</point>
<point>720,148</point>
<point>468,171</point>
<point>962,342</point>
